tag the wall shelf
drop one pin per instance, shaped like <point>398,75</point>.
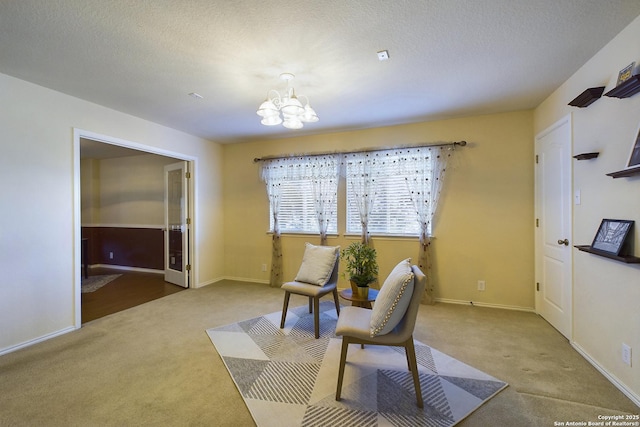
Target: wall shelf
<point>627,259</point>
<point>626,89</point>
<point>587,97</point>
<point>625,173</point>
<point>586,156</point>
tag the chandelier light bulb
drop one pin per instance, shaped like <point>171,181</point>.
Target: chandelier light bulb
<point>292,123</point>
<point>271,120</point>
<point>292,106</point>
<point>309,115</point>
<point>267,108</point>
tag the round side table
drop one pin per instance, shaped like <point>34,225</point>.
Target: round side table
<point>357,301</point>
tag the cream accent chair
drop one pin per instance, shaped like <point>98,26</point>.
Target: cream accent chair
<point>354,325</point>
<point>314,292</point>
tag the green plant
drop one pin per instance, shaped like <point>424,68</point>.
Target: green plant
<point>361,264</point>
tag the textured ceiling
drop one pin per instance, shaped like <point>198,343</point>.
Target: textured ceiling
<point>448,58</point>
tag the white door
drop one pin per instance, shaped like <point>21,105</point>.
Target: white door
<point>553,226</point>
<point>176,224</point>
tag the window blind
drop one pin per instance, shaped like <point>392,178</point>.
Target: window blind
<point>392,212</point>
<point>297,212</point>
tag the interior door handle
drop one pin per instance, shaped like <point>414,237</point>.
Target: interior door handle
<point>564,242</point>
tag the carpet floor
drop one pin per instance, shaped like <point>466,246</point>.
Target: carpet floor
<point>154,365</point>
<point>288,378</point>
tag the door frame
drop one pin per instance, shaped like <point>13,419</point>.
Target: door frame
<point>77,215</point>
<point>568,120</point>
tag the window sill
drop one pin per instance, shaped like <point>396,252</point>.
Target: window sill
<point>382,236</point>
<point>351,236</point>
<point>302,234</point>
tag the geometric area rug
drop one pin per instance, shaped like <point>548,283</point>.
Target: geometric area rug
<point>288,378</point>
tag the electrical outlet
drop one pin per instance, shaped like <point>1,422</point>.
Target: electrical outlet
<point>481,285</point>
<point>626,354</point>
<point>264,267</point>
<point>110,255</point>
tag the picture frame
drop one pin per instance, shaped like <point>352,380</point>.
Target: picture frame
<point>634,157</point>
<point>626,73</point>
<point>612,236</point>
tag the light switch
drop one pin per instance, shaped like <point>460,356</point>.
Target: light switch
<point>576,197</point>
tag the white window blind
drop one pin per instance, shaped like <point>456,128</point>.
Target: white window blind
<point>302,194</point>
<point>297,210</point>
<point>393,212</point>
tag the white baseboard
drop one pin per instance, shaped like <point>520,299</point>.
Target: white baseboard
<point>235,279</point>
<point>127,268</point>
<point>482,304</point>
<point>36,340</point>
<point>208,282</point>
<point>244,279</point>
<point>608,375</point>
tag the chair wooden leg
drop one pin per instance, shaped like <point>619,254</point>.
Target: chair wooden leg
<point>285,307</point>
<point>410,349</point>
<point>310,300</point>
<point>316,316</point>
<point>336,301</point>
<point>343,361</point>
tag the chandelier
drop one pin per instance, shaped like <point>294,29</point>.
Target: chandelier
<point>286,108</point>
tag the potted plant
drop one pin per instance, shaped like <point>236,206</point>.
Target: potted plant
<point>361,267</point>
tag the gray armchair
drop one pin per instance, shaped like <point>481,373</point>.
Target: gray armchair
<point>354,325</point>
<point>314,291</point>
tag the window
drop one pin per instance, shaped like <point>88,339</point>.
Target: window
<point>391,210</point>
<point>389,192</point>
<point>297,212</point>
<point>303,194</point>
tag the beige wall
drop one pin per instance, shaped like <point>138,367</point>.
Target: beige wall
<point>483,231</point>
<point>126,191</point>
<point>605,293</point>
<point>89,191</point>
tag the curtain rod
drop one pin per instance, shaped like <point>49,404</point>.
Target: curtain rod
<point>363,150</point>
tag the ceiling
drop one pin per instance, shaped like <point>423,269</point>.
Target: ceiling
<point>448,58</point>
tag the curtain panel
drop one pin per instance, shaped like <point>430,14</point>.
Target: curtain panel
<point>322,172</point>
<point>273,174</point>
<point>360,176</point>
<point>424,169</point>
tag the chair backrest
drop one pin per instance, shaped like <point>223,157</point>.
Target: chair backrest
<point>405,327</point>
<point>333,280</point>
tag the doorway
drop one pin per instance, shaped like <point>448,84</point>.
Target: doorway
<point>129,232</point>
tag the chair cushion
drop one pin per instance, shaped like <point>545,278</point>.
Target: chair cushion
<point>393,299</point>
<point>307,289</point>
<point>317,264</point>
<point>354,322</point>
